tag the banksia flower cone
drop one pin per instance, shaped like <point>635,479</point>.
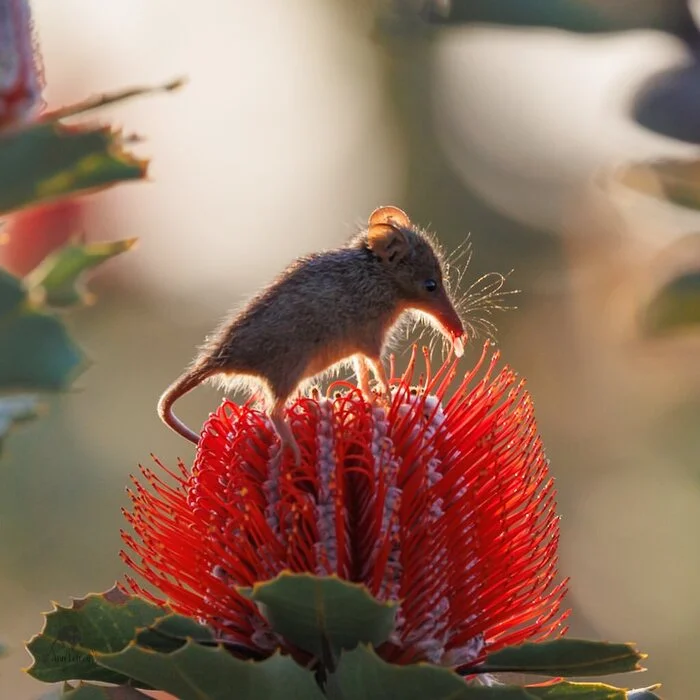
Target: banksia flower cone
<point>439,500</point>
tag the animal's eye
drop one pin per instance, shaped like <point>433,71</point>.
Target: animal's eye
<point>431,285</point>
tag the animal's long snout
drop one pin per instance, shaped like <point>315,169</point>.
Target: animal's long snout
<point>449,319</point>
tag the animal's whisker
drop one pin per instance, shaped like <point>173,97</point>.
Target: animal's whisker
<point>481,298</point>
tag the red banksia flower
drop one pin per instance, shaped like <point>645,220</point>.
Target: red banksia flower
<point>440,500</point>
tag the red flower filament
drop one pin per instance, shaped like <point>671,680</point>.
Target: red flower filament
<point>444,504</point>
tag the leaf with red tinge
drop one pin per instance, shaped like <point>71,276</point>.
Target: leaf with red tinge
<point>563,657</point>
<point>58,280</point>
<point>104,622</point>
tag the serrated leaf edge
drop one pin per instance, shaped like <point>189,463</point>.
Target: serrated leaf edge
<point>57,607</point>
<point>250,592</point>
<point>190,643</point>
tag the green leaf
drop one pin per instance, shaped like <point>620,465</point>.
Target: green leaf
<point>46,161</point>
<point>35,349</point>
<point>564,657</point>
<point>675,306</point>
<point>58,278</point>
<point>99,692</point>
<point>36,352</point>
<point>320,614</point>
<point>196,672</point>
<point>15,409</point>
<point>104,622</point>
<point>171,632</point>
<point>12,293</point>
<point>576,691</point>
<point>362,675</point>
<point>677,181</point>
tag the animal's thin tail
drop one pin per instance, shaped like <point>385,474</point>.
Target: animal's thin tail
<point>181,386</point>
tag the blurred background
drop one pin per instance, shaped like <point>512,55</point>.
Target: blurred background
<point>533,126</point>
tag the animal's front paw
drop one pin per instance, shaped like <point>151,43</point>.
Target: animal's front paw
<point>380,395</point>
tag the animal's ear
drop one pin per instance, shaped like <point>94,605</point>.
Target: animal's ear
<point>388,243</point>
<point>389,215</point>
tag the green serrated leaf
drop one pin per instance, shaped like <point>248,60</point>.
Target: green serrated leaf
<point>564,657</point>
<point>99,692</point>
<point>59,277</point>
<point>196,672</point>
<point>171,632</point>
<point>46,160</point>
<point>321,614</point>
<point>35,349</point>
<point>676,306</point>
<point>104,622</point>
<point>576,691</point>
<point>15,409</point>
<point>362,675</point>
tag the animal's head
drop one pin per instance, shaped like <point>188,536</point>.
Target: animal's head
<point>415,268</point>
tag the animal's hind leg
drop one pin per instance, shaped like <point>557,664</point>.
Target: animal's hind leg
<point>362,374</point>
<point>380,374</point>
<point>284,430</point>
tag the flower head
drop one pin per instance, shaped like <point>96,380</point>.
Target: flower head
<point>440,501</point>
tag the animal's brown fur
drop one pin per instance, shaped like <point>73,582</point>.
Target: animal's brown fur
<point>324,309</point>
